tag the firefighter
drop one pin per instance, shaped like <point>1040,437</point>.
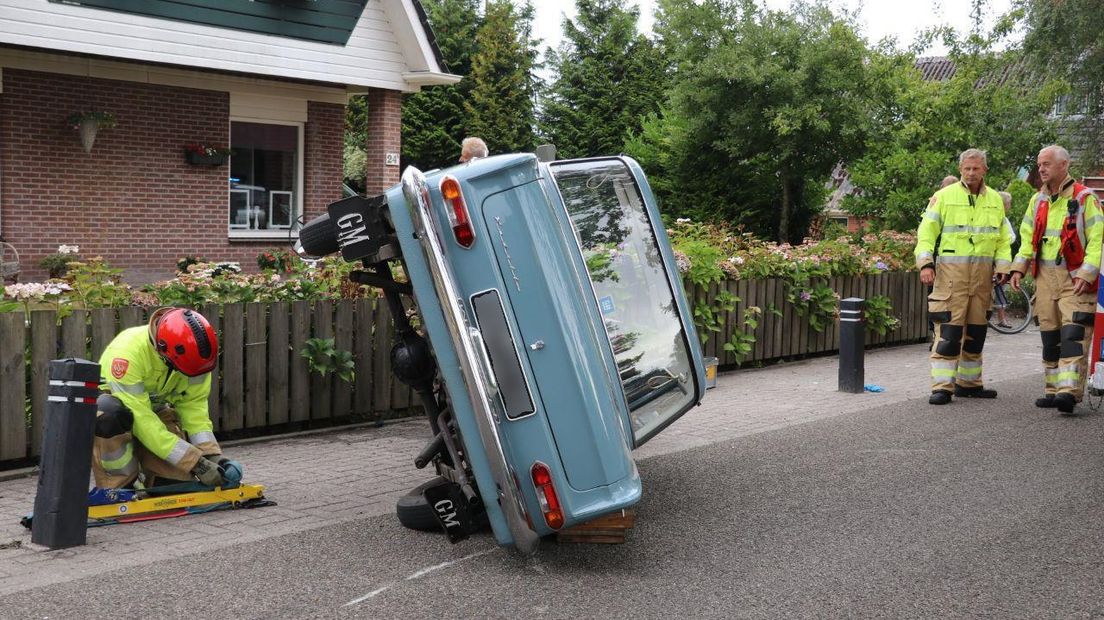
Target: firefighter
<point>152,420</point>
<point>1061,235</point>
<point>966,218</point>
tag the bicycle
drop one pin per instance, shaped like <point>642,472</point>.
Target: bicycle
<point>1017,306</point>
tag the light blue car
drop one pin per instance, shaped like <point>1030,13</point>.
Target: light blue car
<point>559,336</point>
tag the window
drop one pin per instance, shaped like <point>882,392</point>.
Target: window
<point>265,179</point>
<point>632,290</point>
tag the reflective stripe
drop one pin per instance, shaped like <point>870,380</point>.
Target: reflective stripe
<point>1067,376</point>
<point>1020,264</point>
<point>1048,262</point>
<point>951,259</point>
<point>924,256</point>
<point>941,369</point>
<point>932,215</point>
<point>125,470</point>
<point>1096,219</point>
<point>1087,272</point>
<point>1053,232</point>
<point>196,380</point>
<point>201,437</point>
<point>971,229</point>
<point>1001,263</point>
<point>179,451</point>
<point>969,369</point>
<point>118,458</point>
<point>131,388</point>
<point>1083,193</point>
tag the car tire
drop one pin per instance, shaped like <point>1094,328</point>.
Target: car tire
<point>413,510</point>
<point>415,513</point>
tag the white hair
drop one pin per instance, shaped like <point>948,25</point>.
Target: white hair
<point>974,154</point>
<point>1060,153</point>
<point>472,148</point>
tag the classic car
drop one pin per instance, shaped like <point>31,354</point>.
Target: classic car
<point>554,335</point>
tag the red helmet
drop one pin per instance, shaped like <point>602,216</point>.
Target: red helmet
<point>185,340</point>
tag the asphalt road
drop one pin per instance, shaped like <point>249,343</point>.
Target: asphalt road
<point>978,509</point>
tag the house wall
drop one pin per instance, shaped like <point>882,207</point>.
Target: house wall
<point>133,199</point>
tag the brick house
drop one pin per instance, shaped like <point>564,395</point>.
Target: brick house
<point>267,78</point>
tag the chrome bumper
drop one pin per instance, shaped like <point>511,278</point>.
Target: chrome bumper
<point>474,368</point>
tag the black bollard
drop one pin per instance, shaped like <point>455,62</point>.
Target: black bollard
<point>61,503</point>
<point>852,342</point>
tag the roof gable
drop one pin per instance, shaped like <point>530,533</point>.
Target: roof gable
<point>326,21</point>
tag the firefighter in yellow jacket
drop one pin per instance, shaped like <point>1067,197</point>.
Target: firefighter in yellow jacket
<point>1061,236</point>
<point>153,419</point>
<point>967,220</point>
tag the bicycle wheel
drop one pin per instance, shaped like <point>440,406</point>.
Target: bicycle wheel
<point>1017,313</point>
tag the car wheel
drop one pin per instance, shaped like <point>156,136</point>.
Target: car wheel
<point>413,510</point>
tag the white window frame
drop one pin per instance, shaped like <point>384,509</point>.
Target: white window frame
<point>239,234</point>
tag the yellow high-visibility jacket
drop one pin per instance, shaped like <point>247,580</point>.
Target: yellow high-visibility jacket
<point>1090,228</point>
<point>970,229</point>
<point>134,373</point>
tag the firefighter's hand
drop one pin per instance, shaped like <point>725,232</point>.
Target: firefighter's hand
<point>207,472</point>
<point>1014,279</point>
<point>1001,278</point>
<point>1079,286</point>
<point>927,276</point>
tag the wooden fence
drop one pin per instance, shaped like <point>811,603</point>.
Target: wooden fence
<point>264,384</point>
<point>789,335</point>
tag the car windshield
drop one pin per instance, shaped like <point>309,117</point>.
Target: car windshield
<point>631,288</point>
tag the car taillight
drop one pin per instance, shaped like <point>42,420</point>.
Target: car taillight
<point>546,496</point>
<point>457,212</point>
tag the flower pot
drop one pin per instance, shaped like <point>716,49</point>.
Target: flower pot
<point>88,130</point>
<point>199,159</point>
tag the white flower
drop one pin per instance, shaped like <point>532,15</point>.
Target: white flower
<point>736,260</point>
<point>683,220</point>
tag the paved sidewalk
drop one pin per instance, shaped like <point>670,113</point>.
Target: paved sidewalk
<point>367,469</point>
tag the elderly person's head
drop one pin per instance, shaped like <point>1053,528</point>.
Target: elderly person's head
<point>472,148</point>
<point>950,179</point>
<point>972,166</point>
<point>1007,198</point>
<point>1054,163</point>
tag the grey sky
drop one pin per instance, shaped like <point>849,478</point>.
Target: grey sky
<point>880,18</point>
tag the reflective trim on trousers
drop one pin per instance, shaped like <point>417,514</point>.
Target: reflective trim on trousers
<point>119,458</point>
<point>969,370</point>
<point>954,260</point>
<point>1050,375</point>
<point>943,370</point>
<point>1068,376</point>
<point>201,437</point>
<point>129,388</point>
<point>179,451</point>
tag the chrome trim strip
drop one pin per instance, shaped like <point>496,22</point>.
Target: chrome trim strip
<point>418,202</point>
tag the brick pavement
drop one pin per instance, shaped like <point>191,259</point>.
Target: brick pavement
<point>371,467</point>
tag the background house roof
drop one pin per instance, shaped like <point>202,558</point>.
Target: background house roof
<point>390,46</point>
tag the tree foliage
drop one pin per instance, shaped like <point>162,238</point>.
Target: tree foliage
<point>501,105</point>
<point>763,104</point>
<point>608,78</point>
<point>1065,40</point>
<point>993,102</point>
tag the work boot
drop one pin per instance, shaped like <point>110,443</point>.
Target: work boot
<point>974,392</point>
<point>1065,402</point>
<point>1046,402</point>
<point>939,397</point>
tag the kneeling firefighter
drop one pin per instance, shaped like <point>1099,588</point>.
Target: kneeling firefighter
<point>152,423</point>
<point>967,219</point>
<point>1065,227</point>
